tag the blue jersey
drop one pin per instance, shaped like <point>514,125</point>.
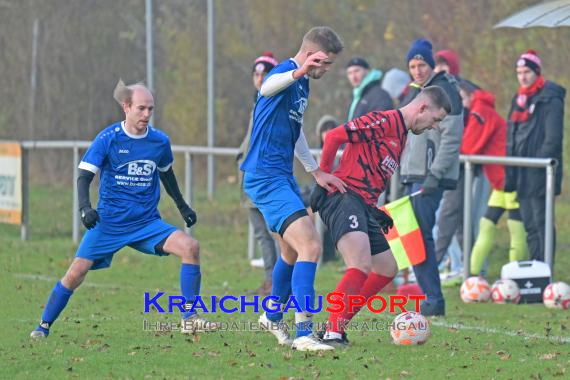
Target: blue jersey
<point>129,188</point>
<point>277,123</point>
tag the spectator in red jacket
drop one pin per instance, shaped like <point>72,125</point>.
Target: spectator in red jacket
<point>486,134</point>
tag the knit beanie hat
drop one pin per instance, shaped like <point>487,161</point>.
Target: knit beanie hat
<point>264,63</point>
<point>358,61</point>
<point>395,82</point>
<point>531,60</point>
<point>451,58</point>
<point>421,49</point>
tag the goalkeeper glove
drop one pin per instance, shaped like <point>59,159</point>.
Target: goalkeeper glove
<point>89,217</point>
<point>383,219</point>
<point>188,215</point>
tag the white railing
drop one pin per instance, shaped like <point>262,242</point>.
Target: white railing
<point>547,163</point>
<point>189,151</point>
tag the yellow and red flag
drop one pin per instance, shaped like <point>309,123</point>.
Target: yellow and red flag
<point>405,238</point>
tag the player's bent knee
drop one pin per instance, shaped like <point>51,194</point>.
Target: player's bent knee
<point>73,278</point>
<point>311,251</point>
<point>192,250</point>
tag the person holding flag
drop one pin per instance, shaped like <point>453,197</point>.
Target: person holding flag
<point>374,144</point>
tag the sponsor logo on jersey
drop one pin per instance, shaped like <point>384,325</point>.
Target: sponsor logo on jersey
<point>140,167</point>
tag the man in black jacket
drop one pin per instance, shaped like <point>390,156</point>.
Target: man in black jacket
<point>367,93</point>
<point>430,163</point>
<point>535,129</point>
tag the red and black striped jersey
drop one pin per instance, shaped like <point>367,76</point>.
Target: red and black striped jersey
<point>374,144</point>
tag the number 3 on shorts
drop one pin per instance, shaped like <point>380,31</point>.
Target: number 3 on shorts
<point>354,221</point>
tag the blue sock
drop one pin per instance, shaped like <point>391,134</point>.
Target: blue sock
<point>304,291</point>
<point>190,277</point>
<point>55,304</point>
<point>281,287</point>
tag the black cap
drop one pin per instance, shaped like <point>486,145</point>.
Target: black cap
<point>358,61</point>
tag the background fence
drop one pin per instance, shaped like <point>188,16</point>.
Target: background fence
<point>190,152</point>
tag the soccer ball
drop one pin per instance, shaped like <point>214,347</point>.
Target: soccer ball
<point>505,291</point>
<point>557,296</point>
<point>475,289</point>
<point>410,328</point>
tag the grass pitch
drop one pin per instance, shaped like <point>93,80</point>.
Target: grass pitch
<point>100,334</point>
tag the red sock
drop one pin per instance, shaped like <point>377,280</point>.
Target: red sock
<point>374,283</point>
<point>350,285</point>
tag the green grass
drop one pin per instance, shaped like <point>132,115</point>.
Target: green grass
<point>99,335</point>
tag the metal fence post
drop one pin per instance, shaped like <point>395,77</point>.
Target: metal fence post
<point>75,215</point>
<point>394,188</point>
<point>467,217</point>
<point>549,225</point>
<point>250,241</point>
<point>25,195</point>
<point>211,29</point>
<point>188,182</point>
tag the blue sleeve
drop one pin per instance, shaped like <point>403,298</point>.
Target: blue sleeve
<point>167,158</point>
<point>96,154</point>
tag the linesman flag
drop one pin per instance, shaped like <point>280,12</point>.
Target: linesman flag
<point>405,238</point>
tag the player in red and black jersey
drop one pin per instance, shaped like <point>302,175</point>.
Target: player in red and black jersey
<point>374,144</point>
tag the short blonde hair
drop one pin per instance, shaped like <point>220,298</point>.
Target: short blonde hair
<point>326,38</point>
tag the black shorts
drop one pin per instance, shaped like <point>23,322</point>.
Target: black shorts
<point>344,213</point>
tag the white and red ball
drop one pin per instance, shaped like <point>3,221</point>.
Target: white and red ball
<point>410,328</point>
<point>505,291</point>
<point>475,289</point>
<point>557,296</point>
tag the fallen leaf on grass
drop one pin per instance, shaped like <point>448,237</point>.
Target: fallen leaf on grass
<point>103,348</point>
<point>548,356</point>
<point>504,355</point>
<point>214,354</point>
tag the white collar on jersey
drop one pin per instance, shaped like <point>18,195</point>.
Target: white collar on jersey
<point>131,135</point>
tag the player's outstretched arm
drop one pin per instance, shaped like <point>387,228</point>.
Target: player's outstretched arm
<point>329,181</point>
<point>89,217</point>
<point>170,184</point>
<point>304,155</point>
<point>276,83</point>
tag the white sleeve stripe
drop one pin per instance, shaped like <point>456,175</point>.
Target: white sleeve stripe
<point>87,166</point>
<point>164,169</point>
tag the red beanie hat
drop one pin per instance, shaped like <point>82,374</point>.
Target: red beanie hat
<point>451,58</point>
<point>265,62</point>
<point>531,60</point>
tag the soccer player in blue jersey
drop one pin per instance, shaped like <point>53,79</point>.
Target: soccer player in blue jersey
<point>130,156</point>
<point>277,136</point>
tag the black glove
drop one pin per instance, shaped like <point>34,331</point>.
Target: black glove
<point>383,219</point>
<point>318,196</point>
<point>188,215</point>
<point>89,217</point>
<point>430,185</point>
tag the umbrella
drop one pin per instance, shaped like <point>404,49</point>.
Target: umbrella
<point>548,14</point>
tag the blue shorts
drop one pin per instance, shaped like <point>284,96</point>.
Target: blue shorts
<point>278,198</point>
<point>100,246</point>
